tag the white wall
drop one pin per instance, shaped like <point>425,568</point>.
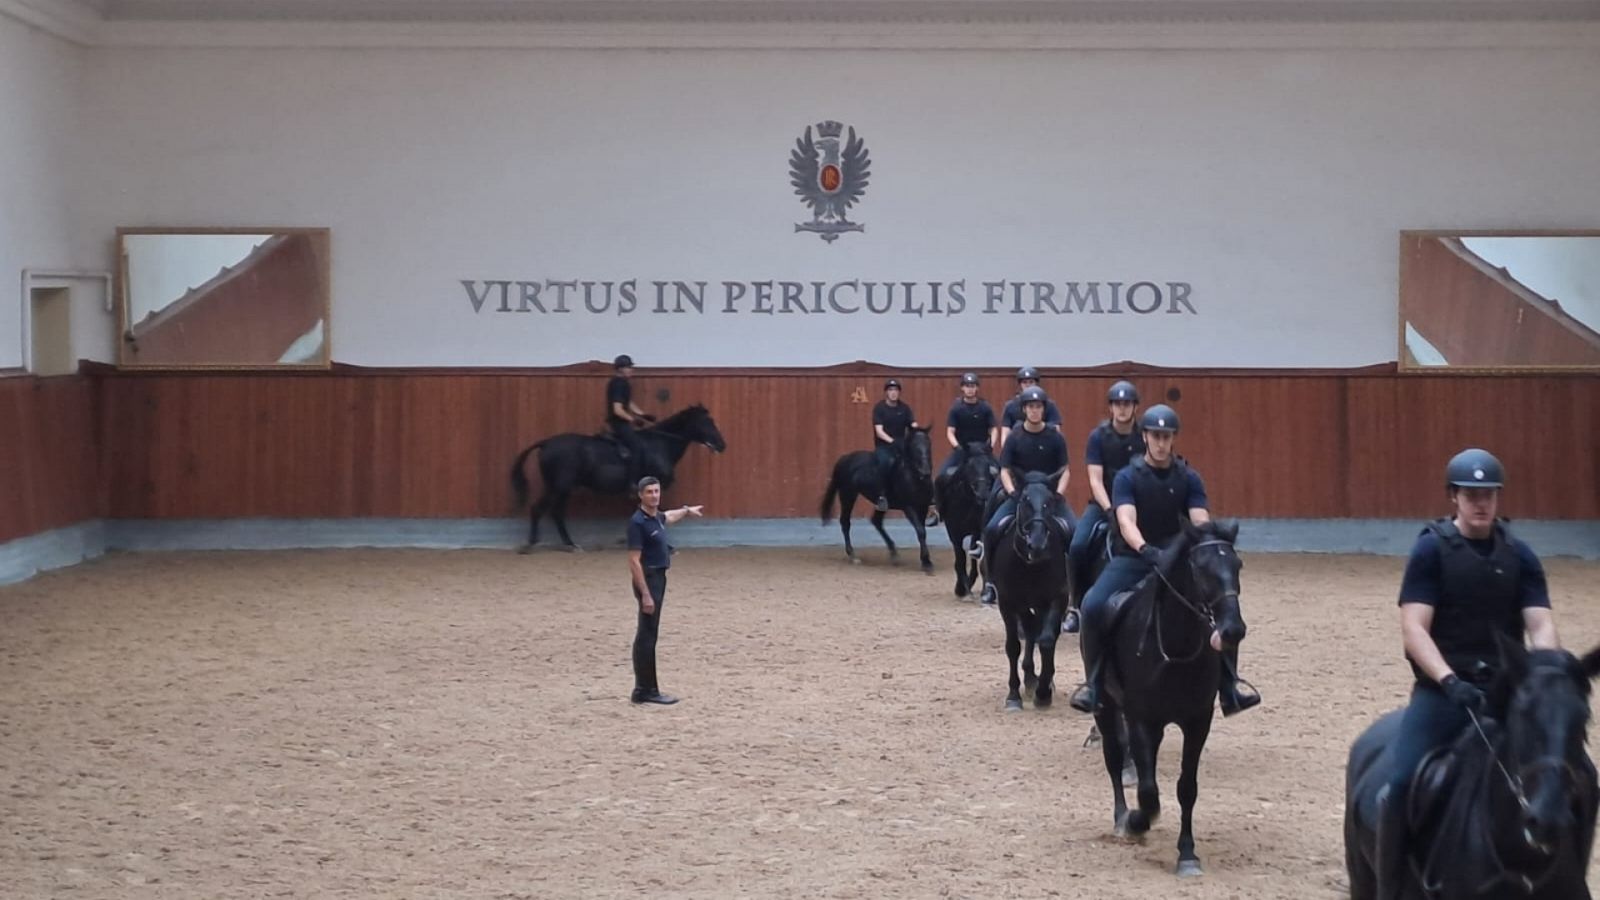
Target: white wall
<point>1564,269</point>
<point>1274,182</point>
<point>40,91</point>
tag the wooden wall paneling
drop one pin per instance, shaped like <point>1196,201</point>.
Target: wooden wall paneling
<point>419,445</point>
<point>48,464</point>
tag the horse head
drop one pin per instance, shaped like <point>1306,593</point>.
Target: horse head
<point>1214,567</point>
<point>1541,698</point>
<point>978,469</point>
<point>916,451</point>
<point>695,425</point>
<point>1039,534</point>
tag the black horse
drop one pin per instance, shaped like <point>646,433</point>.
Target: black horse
<point>1509,809</point>
<point>961,500</point>
<point>570,461</point>
<point>910,490</point>
<point>1162,669</point>
<point>1029,568</point>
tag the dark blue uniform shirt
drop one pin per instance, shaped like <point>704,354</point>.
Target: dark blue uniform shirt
<point>971,421</point>
<point>649,535</point>
<point>896,420</point>
<point>618,390</point>
<point>1122,488</point>
<point>1028,452</point>
<point>1420,584</point>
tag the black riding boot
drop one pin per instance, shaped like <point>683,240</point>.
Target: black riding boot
<point>1086,698</point>
<point>1073,621</point>
<point>1391,860</point>
<point>1234,698</point>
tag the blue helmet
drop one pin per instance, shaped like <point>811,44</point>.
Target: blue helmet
<point>1160,417</point>
<point>1027,373</point>
<point>1034,394</point>
<point>1122,390</point>
<point>1474,468</point>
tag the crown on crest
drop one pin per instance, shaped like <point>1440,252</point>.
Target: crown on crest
<point>829,129</point>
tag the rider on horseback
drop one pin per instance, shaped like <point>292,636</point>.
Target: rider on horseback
<point>622,416</point>
<point>1033,447</point>
<point>1468,581</point>
<point>891,419</point>
<point>1152,497</point>
<point>1012,416</point>
<point>971,421</point>
<point>1113,444</point>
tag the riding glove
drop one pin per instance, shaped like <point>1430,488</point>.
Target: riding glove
<point>1151,554</point>
<point>1465,695</point>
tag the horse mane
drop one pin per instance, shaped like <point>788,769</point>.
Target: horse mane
<point>680,417</point>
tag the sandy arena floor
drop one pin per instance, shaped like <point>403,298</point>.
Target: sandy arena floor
<point>428,724</point>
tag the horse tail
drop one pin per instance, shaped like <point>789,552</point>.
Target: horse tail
<point>827,499</point>
<point>519,477</point>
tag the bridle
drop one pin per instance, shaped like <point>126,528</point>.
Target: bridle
<point>1201,611</point>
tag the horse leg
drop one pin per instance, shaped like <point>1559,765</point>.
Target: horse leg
<point>1013,650</point>
<point>1194,741</point>
<point>877,522</point>
<point>535,512</point>
<point>921,528</point>
<point>1044,695</point>
<point>1145,742</point>
<point>963,584</point>
<point>1114,749</point>
<point>847,505</point>
<point>1029,679</point>
<point>558,512</point>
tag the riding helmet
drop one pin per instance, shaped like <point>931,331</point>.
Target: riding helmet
<point>1474,468</point>
<point>891,383</point>
<point>1027,373</point>
<point>969,378</point>
<point>1122,390</point>
<point>622,362</point>
<point>1034,394</point>
<point>1160,417</point>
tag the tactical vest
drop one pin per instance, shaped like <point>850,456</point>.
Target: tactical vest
<point>1162,504</point>
<point>1117,450</point>
<point>1479,597</point>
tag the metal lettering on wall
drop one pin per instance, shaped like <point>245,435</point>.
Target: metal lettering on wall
<point>637,297</point>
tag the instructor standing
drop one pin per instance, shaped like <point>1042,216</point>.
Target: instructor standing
<point>649,557</point>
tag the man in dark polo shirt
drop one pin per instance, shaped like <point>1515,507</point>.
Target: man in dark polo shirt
<point>971,421</point>
<point>622,416</point>
<point>891,419</point>
<point>649,557</point>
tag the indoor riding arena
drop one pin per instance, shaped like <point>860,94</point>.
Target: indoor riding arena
<point>315,309</point>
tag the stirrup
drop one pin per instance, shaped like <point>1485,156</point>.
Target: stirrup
<point>1243,696</point>
<point>974,547</point>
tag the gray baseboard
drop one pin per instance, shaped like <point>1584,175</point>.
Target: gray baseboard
<point>24,557</point>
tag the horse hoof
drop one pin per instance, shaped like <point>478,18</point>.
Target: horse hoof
<point>1189,868</point>
<point>525,549</point>
<point>1042,700</point>
<point>1138,822</point>
<point>855,560</point>
<point>572,548</point>
<point>928,571</point>
<point>1013,704</point>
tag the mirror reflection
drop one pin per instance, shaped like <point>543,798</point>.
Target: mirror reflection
<point>1485,301</point>
<point>224,298</point>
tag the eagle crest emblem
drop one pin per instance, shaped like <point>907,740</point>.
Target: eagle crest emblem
<point>830,176</point>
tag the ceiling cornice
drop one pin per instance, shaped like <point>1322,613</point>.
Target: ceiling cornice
<point>821,36</point>
<point>825,24</point>
<point>76,21</point>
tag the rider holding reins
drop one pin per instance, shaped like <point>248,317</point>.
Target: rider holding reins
<point>1113,444</point>
<point>1152,497</point>
<point>1032,447</point>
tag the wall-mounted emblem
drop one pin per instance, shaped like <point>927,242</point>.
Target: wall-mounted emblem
<point>829,178</point>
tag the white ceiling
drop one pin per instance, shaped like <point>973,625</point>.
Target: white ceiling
<point>753,11</point>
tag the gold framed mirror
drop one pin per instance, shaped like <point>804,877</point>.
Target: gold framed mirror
<point>223,298</point>
<point>1475,302</point>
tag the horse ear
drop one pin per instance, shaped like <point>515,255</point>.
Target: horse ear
<point>1228,529</point>
<point>1591,663</point>
<point>1513,657</point>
